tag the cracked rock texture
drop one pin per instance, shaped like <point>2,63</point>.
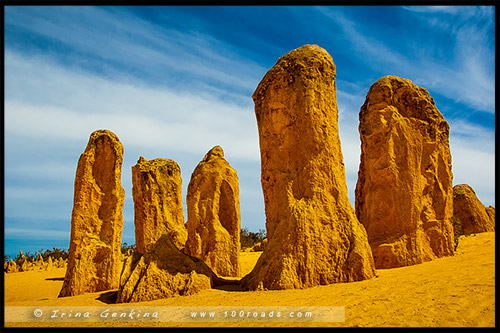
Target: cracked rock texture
<point>94,261</point>
<point>404,194</point>
<point>314,237</point>
<point>157,194</point>
<point>213,207</point>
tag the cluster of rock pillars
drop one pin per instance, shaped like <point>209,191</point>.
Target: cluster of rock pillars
<point>404,196</point>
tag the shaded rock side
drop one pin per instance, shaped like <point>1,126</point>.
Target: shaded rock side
<point>97,219</point>
<point>213,208</point>
<point>470,211</point>
<point>314,237</point>
<point>491,213</point>
<point>404,192</point>
<point>163,272</point>
<point>157,194</point>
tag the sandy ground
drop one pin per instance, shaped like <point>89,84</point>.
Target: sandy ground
<point>451,291</point>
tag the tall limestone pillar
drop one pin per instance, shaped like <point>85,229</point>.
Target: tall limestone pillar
<point>314,237</point>
<point>404,194</point>
<point>214,222</point>
<point>94,262</point>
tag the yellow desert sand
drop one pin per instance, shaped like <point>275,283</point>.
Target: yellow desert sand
<point>450,291</point>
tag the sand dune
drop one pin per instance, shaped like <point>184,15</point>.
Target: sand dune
<point>450,291</point>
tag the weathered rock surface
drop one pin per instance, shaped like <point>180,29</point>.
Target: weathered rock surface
<point>404,190</point>
<point>97,219</point>
<point>157,194</point>
<point>491,213</point>
<point>470,211</point>
<point>163,272</point>
<point>213,207</point>
<point>314,237</point>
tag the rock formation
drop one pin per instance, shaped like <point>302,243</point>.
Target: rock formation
<point>60,263</point>
<point>39,260</point>
<point>49,265</point>
<point>22,262</point>
<point>163,272</point>
<point>491,213</point>
<point>213,208</point>
<point>314,237</point>
<point>157,193</point>
<point>404,190</point>
<point>469,210</point>
<point>11,267</point>
<point>97,219</point>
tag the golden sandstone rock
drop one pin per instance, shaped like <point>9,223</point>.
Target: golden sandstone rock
<point>157,193</point>
<point>163,272</point>
<point>314,237</point>
<point>470,211</point>
<point>213,207</point>
<point>10,266</point>
<point>97,219</point>
<point>491,213</point>
<point>404,190</point>
<point>39,260</point>
<point>22,262</point>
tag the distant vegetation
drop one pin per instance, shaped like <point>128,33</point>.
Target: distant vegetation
<point>55,253</point>
<point>248,238</point>
<point>126,247</point>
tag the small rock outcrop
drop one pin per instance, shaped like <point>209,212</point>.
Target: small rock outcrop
<point>213,208</point>
<point>97,219</point>
<point>50,264</point>
<point>163,272</point>
<point>404,190</point>
<point>60,263</point>
<point>39,261</point>
<point>470,211</point>
<point>11,267</point>
<point>157,194</point>
<point>22,262</point>
<point>314,237</point>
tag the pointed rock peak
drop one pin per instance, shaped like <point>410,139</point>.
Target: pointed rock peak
<point>215,152</point>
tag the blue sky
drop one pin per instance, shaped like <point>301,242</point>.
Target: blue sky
<point>173,82</point>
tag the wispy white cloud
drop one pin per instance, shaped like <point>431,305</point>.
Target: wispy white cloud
<point>466,77</point>
<point>116,37</point>
<point>44,100</point>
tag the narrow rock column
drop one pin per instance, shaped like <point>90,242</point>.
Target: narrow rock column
<point>404,195</point>
<point>157,193</point>
<point>314,237</point>
<point>213,203</point>
<point>94,262</point>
